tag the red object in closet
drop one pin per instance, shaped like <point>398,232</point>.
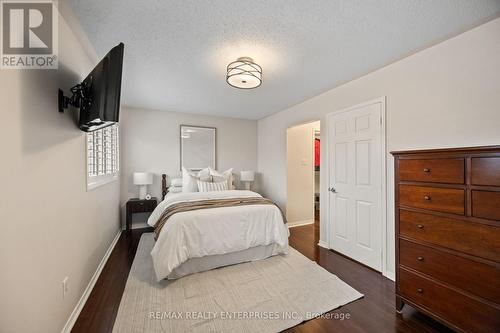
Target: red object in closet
<point>316,152</point>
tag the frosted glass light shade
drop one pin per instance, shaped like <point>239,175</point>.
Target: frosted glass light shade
<point>244,74</point>
<point>247,176</point>
<point>143,178</point>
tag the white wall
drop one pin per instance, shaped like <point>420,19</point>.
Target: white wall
<point>445,96</point>
<point>151,142</point>
<point>51,227</point>
<point>300,173</point>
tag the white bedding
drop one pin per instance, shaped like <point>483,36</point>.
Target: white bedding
<point>215,231</point>
<point>201,264</point>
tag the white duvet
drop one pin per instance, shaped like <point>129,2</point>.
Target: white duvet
<point>214,231</point>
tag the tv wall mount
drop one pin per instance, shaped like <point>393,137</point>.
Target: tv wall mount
<point>80,97</point>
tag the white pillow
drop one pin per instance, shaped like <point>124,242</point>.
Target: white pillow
<point>221,176</point>
<point>212,186</point>
<point>189,179</point>
<point>176,182</point>
<point>175,189</point>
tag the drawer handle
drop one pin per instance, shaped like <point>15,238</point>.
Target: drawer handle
<point>427,197</point>
<point>420,226</point>
<point>420,258</point>
<point>427,170</point>
<point>420,290</point>
<point>141,203</point>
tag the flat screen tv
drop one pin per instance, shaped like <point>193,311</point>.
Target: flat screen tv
<point>98,96</point>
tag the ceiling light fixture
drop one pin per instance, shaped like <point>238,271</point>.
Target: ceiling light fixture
<point>244,74</point>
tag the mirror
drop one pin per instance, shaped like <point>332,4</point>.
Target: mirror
<point>197,147</point>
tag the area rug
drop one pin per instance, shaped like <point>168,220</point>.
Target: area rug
<point>268,295</point>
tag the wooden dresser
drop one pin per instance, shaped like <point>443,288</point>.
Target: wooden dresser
<point>448,235</point>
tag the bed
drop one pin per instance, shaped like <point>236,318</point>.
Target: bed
<point>202,239</point>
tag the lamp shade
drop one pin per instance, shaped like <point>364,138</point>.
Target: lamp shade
<point>143,178</point>
<point>244,73</point>
<point>247,176</point>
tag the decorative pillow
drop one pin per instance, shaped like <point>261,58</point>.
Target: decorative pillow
<point>175,189</point>
<point>176,182</point>
<point>223,176</point>
<point>212,186</point>
<point>189,179</point>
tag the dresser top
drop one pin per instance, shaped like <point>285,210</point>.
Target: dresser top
<point>478,149</point>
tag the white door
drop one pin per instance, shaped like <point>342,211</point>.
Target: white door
<point>355,183</point>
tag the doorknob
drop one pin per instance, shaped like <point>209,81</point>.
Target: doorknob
<point>332,189</point>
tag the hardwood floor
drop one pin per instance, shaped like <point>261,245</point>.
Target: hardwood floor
<point>374,313</point>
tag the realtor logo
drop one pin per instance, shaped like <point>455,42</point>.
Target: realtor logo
<point>29,34</point>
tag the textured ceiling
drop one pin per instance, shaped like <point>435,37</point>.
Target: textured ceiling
<point>176,52</point>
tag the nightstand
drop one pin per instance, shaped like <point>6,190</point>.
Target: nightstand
<point>135,205</point>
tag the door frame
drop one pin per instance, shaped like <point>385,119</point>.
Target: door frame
<point>302,223</point>
<point>383,190</point>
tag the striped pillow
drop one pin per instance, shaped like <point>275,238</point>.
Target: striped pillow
<point>212,186</point>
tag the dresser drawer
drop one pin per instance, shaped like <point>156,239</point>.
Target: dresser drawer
<point>473,238</point>
<point>460,310</point>
<point>485,171</point>
<point>446,170</point>
<point>446,200</point>
<point>486,204</point>
<point>475,277</point>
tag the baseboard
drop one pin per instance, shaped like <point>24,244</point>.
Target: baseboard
<point>323,245</point>
<point>86,293</point>
<point>390,275</point>
<point>300,223</point>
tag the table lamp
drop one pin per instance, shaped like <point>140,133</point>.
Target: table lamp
<point>248,177</point>
<point>143,179</point>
